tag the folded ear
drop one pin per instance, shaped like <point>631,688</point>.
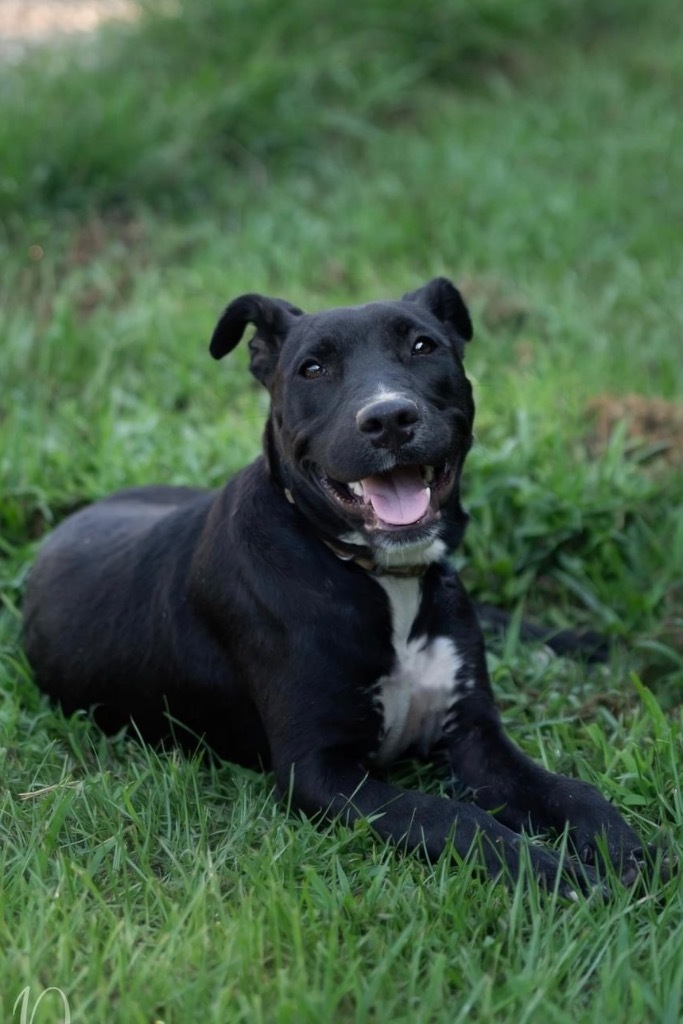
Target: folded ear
<point>272,318</point>
<point>445,302</point>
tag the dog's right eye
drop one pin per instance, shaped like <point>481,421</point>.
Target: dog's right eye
<point>311,369</point>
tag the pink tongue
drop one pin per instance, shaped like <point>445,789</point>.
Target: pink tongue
<point>398,498</point>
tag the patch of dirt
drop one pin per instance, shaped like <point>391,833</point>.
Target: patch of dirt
<point>653,423</point>
<point>24,23</point>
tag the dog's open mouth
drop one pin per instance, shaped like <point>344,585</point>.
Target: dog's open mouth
<point>402,497</point>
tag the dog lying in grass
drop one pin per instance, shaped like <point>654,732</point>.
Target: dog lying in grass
<point>305,617</point>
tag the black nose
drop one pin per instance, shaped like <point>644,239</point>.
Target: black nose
<point>389,422</point>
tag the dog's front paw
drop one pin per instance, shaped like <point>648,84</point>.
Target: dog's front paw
<point>603,841</point>
<point>600,837</point>
<point>572,879</point>
<point>554,872</point>
<point>634,861</point>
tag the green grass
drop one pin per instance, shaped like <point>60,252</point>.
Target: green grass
<point>532,152</point>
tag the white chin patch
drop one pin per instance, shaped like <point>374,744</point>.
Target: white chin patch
<point>395,556</point>
<point>354,538</point>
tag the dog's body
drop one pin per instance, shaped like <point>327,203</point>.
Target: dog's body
<point>303,618</point>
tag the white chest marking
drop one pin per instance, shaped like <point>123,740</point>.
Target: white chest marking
<point>417,697</point>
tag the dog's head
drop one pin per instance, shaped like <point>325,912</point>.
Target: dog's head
<point>371,415</point>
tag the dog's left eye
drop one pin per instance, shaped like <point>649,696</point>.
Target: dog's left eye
<point>423,346</point>
<point>311,369</point>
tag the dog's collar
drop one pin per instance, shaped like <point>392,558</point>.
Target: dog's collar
<point>370,564</point>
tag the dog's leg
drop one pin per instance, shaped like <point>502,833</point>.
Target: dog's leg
<point>523,795</point>
<point>334,788</point>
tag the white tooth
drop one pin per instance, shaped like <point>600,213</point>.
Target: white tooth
<point>356,488</point>
<point>428,474</point>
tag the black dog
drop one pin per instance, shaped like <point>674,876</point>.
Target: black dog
<point>305,618</point>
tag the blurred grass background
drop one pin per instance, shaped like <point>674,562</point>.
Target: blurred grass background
<point>337,153</point>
